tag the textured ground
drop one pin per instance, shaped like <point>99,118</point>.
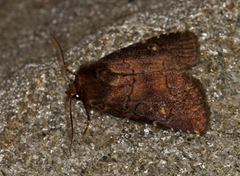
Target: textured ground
<point>33,138</point>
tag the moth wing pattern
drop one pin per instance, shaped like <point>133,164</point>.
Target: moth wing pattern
<point>169,52</point>
<point>169,100</point>
<point>147,82</point>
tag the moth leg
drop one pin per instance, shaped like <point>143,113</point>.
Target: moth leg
<point>69,71</point>
<point>156,123</point>
<point>88,120</point>
<point>160,124</point>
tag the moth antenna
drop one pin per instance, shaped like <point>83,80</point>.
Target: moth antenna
<point>60,57</point>
<point>69,98</point>
<point>71,125</point>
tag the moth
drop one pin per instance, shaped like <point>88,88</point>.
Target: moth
<point>147,82</point>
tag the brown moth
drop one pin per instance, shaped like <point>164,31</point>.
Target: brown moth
<point>146,81</point>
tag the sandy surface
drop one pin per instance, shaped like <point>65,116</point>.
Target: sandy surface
<point>32,90</point>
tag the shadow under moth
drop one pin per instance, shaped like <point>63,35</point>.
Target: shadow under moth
<point>146,81</point>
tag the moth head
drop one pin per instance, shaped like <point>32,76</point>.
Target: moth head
<point>72,91</point>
